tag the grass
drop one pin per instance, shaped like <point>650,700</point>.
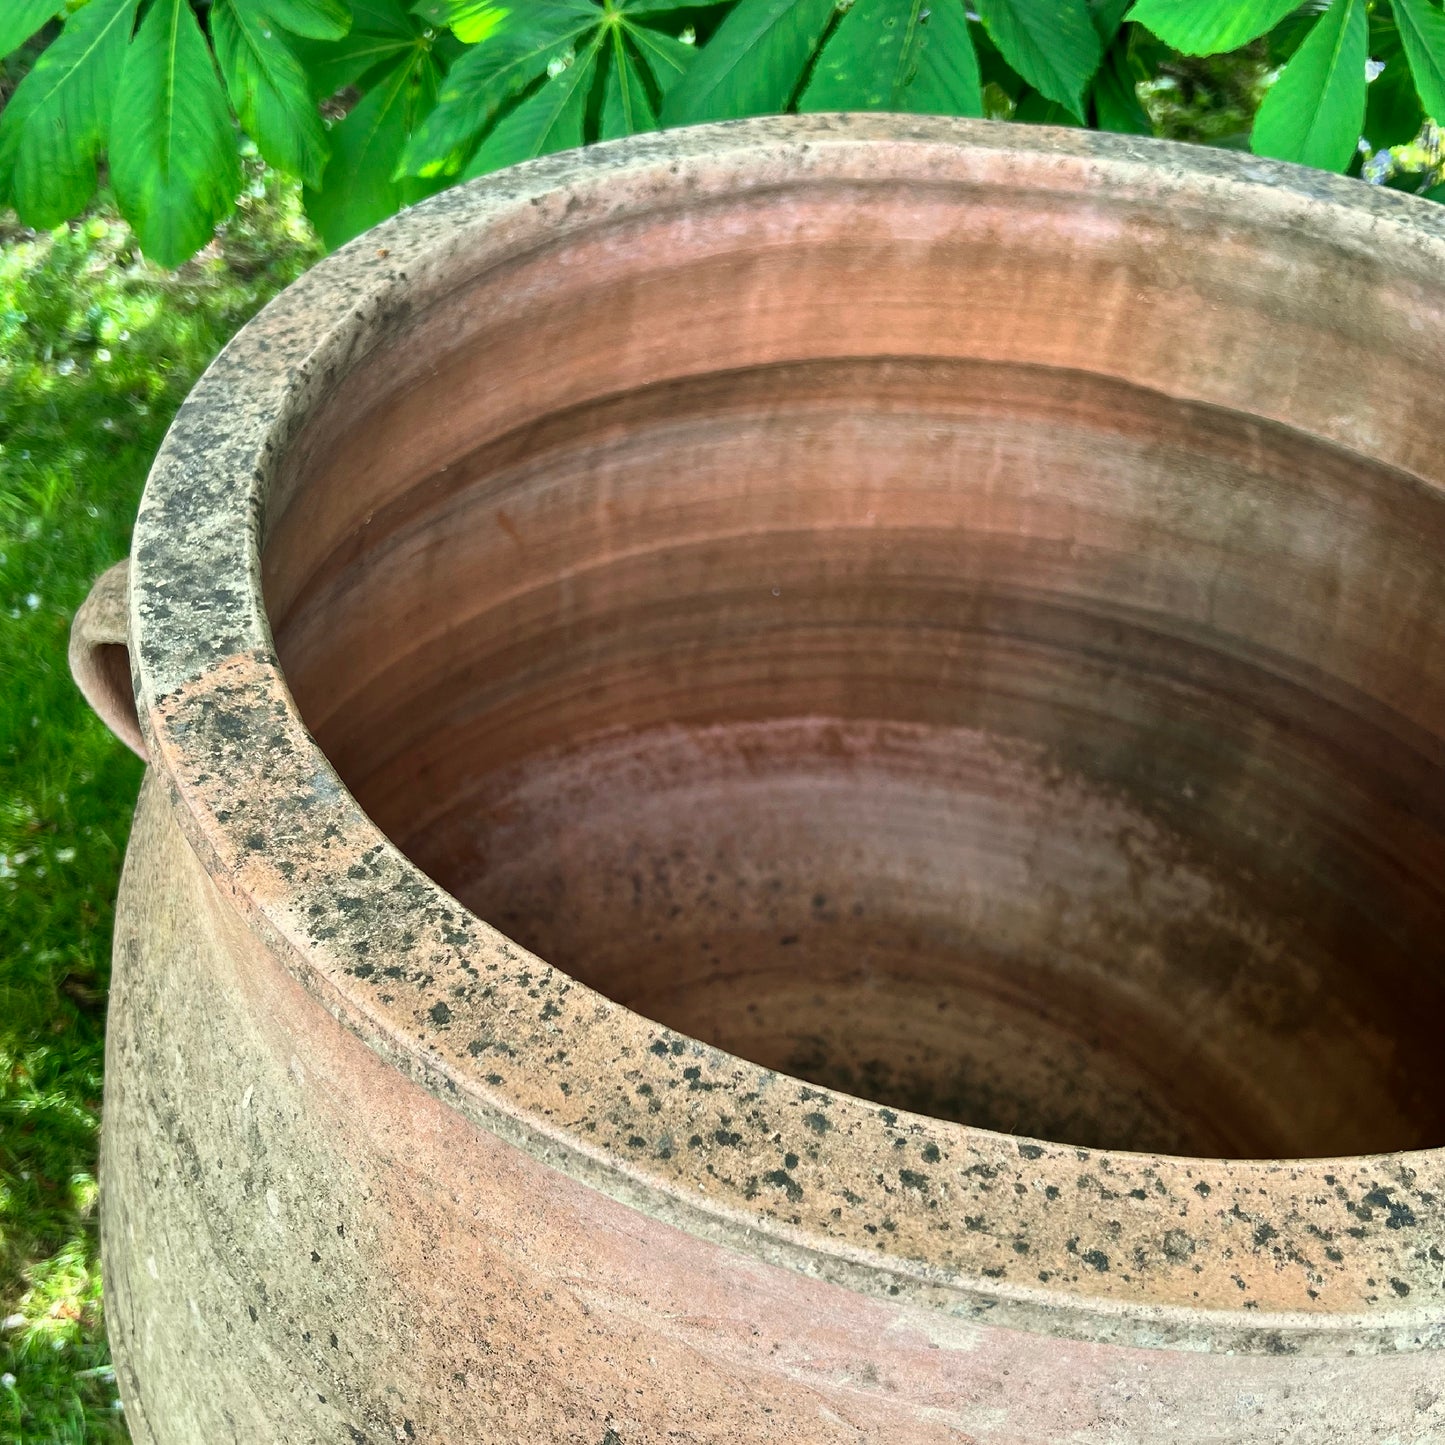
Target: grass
<point>97,349</point>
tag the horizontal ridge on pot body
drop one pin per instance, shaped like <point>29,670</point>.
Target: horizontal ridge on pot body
<point>920,624</point>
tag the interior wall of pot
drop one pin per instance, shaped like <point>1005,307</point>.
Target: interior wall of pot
<point>977,649</point>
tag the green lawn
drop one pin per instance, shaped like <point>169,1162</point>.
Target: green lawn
<point>97,349</point>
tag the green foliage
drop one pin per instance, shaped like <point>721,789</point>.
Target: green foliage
<point>1210,27</point>
<point>1051,43</point>
<point>551,119</point>
<point>315,19</point>
<point>404,68</point>
<point>20,19</point>
<point>517,50</point>
<point>1422,37</point>
<point>380,35</point>
<point>1419,162</point>
<point>1115,95</point>
<point>884,56</point>
<point>753,64</point>
<point>374,104</point>
<point>172,154</point>
<point>269,90</point>
<point>97,349</point>
<point>54,126</point>
<point>627,107</point>
<point>1316,108</point>
<point>1208,99</point>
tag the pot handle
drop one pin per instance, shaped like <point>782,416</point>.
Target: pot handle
<point>100,655</point>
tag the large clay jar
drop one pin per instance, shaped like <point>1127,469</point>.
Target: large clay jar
<point>796,795</point>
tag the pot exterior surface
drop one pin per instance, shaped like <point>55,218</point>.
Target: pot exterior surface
<point>302,1244</point>
<point>848,626</point>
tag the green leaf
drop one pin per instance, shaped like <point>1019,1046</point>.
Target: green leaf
<point>384,17</point>
<point>489,75</point>
<point>269,89</point>
<point>1115,98</point>
<point>358,188</point>
<point>993,68</point>
<point>551,120</point>
<point>1108,16</point>
<point>315,19</point>
<point>752,64</point>
<point>58,119</point>
<point>1393,113</point>
<point>667,58</point>
<point>947,80</point>
<point>1036,109</point>
<point>1210,27</point>
<point>173,151</point>
<point>1287,37</point>
<point>1384,37</point>
<point>1051,43</point>
<point>473,21</point>
<point>1314,112</point>
<point>349,63</point>
<point>898,55</point>
<point>626,108</point>
<point>373,43</point>
<point>20,19</point>
<point>664,7</point>
<point>1422,34</point>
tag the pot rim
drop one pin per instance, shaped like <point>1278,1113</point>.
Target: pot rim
<point>1148,1250</point>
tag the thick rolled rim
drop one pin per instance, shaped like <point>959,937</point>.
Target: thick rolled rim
<point>1146,1250</point>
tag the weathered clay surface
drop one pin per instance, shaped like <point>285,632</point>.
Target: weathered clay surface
<point>919,624</point>
<point>340,1256</point>
<point>100,657</point>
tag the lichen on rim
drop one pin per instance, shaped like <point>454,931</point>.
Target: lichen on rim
<point>1252,1255</point>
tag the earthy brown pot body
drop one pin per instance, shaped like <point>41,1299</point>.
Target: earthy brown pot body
<point>932,631</point>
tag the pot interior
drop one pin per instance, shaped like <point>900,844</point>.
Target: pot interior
<point>925,643</point>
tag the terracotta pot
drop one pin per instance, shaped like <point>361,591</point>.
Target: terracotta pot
<point>933,632</point>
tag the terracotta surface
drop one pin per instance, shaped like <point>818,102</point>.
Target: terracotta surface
<point>927,627</point>
<point>100,657</point>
